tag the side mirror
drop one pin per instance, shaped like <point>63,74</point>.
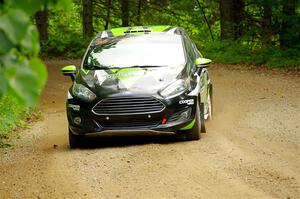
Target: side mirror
<point>69,71</point>
<point>202,62</point>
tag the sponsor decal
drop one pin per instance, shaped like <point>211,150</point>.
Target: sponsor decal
<point>127,76</point>
<point>187,101</point>
<point>74,107</point>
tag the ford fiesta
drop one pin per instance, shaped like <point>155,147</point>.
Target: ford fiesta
<point>139,81</point>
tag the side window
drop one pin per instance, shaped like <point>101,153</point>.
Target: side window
<point>196,51</point>
<point>191,48</point>
<point>191,54</point>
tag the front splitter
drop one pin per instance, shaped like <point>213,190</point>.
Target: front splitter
<point>112,133</point>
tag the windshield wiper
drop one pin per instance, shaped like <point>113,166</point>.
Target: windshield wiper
<point>91,67</point>
<point>146,66</point>
<point>100,67</point>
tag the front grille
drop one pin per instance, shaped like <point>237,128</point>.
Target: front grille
<point>135,124</point>
<point>128,106</point>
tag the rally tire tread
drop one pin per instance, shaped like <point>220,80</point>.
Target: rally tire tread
<point>195,132</point>
<point>202,120</point>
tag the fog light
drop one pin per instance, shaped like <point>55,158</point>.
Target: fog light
<point>77,120</point>
<point>186,114</point>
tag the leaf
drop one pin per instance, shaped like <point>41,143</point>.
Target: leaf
<point>40,71</point>
<point>30,43</point>
<point>14,25</point>
<point>21,78</point>
<point>23,82</point>
<point>28,6</point>
<point>9,58</point>
<point>5,44</point>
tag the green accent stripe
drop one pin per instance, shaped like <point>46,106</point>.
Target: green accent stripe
<point>158,28</point>
<point>189,126</point>
<point>119,31</point>
<point>85,71</point>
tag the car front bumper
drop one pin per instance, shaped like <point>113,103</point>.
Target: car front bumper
<point>178,114</point>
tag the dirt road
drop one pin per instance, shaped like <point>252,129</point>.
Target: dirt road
<point>251,150</point>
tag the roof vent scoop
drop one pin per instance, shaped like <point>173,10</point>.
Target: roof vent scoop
<point>137,31</point>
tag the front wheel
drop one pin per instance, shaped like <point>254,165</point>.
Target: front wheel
<point>195,132</point>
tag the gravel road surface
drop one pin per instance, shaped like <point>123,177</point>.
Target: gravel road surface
<point>251,148</point>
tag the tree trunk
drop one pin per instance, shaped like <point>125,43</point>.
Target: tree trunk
<point>266,24</point>
<point>288,32</point>
<point>232,14</point>
<point>125,12</point>
<point>139,13</point>
<point>41,19</point>
<point>87,18</point>
<point>238,17</point>
<point>108,3</point>
<point>227,30</point>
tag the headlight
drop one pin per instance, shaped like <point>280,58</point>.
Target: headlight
<point>174,89</point>
<point>83,92</point>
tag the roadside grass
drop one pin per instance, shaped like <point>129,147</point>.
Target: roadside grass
<point>13,118</point>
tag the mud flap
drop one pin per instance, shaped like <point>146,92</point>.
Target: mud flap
<point>203,129</point>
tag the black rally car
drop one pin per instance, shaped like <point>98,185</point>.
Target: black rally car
<point>136,81</point>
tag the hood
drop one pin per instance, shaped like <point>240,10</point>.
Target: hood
<point>143,81</point>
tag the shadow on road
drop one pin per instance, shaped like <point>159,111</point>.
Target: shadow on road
<point>108,142</point>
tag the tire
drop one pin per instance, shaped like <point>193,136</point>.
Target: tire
<point>202,120</point>
<point>195,132</point>
<point>76,141</point>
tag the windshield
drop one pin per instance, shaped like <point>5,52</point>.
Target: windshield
<point>136,51</point>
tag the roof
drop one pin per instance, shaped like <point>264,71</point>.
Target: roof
<point>136,30</point>
<point>140,39</point>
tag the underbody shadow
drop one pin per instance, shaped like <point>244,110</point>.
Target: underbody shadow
<point>107,142</point>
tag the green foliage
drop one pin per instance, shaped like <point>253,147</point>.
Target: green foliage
<point>22,73</point>
<point>65,34</point>
<point>229,52</point>
<point>14,116</point>
<point>65,29</point>
<point>73,45</point>
<point>11,115</point>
